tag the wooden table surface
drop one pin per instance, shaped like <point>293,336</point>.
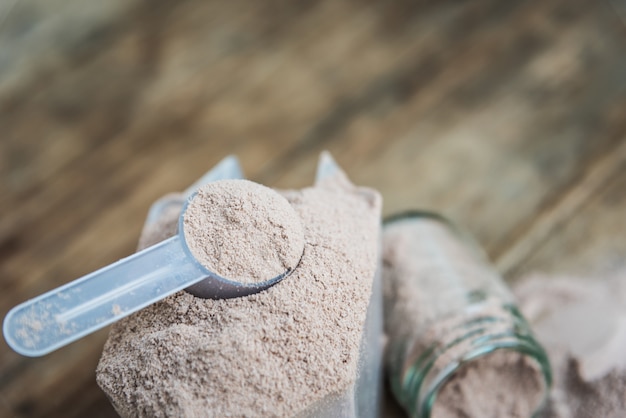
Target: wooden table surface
<point>509,116</point>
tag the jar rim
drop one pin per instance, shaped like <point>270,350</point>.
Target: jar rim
<point>422,405</point>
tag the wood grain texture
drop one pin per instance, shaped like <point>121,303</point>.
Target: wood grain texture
<point>590,242</point>
<point>509,117</point>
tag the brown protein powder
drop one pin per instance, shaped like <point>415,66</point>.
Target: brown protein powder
<point>485,386</point>
<point>243,231</point>
<point>582,323</point>
<point>271,354</point>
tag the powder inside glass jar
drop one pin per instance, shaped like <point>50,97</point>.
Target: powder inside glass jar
<point>243,231</point>
<point>443,305</point>
<point>486,387</point>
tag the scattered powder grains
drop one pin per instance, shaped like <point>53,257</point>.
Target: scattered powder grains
<point>274,353</point>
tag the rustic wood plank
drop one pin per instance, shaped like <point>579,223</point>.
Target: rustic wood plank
<point>5,409</point>
<point>619,6</point>
<point>269,77</point>
<point>590,244</point>
<point>547,224</point>
<point>504,138</point>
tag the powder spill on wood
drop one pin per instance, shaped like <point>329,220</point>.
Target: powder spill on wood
<point>270,354</point>
<point>243,231</point>
<point>582,324</point>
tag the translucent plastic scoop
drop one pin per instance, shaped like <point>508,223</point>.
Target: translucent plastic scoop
<point>74,310</point>
<point>228,168</point>
<point>70,312</point>
<point>65,314</point>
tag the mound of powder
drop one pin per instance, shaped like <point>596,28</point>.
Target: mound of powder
<point>582,324</point>
<point>275,353</point>
<point>243,231</point>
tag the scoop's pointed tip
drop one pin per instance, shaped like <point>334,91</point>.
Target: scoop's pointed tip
<point>227,168</point>
<point>232,166</point>
<point>326,167</point>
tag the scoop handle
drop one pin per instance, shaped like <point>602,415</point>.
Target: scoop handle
<point>63,315</point>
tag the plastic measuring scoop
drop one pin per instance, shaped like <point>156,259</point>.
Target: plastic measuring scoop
<point>228,168</point>
<point>65,314</point>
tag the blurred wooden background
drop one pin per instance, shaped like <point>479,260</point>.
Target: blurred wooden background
<point>509,116</point>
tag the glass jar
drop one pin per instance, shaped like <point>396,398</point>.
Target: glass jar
<point>446,308</point>
<point>361,399</point>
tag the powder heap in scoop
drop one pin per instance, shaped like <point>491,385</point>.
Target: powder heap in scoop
<point>275,353</point>
<point>243,231</point>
